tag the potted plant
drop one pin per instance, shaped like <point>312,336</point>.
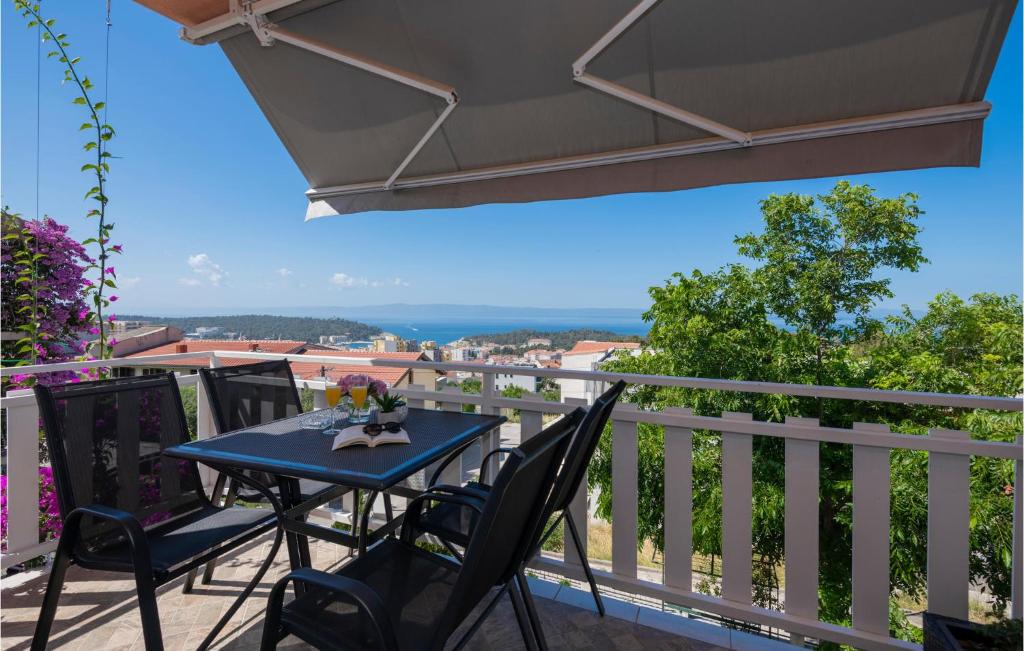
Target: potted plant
<point>392,408</point>
<point>361,390</point>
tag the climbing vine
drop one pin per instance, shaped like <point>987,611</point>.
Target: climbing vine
<point>98,168</point>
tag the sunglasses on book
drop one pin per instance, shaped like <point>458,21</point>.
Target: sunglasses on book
<point>376,428</point>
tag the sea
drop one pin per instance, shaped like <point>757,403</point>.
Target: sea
<point>446,331</point>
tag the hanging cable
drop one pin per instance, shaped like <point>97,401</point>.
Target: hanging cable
<point>106,67</point>
<point>39,59</point>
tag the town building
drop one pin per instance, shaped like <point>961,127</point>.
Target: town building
<point>588,355</point>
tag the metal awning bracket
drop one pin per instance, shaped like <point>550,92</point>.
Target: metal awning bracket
<point>581,76</point>
<point>257,22</point>
<point>253,13</point>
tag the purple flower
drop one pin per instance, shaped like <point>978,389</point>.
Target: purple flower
<point>116,247</point>
<point>113,298</point>
<point>109,270</point>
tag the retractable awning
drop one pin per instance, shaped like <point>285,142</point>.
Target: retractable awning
<point>408,104</point>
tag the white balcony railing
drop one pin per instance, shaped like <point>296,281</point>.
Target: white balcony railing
<point>949,455</point>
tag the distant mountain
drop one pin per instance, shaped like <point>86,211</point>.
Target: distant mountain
<point>266,326</point>
<point>436,312</point>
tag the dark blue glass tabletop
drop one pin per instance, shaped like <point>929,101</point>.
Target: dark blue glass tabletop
<point>284,448</point>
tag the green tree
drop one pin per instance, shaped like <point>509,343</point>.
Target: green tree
<point>820,258</point>
<point>802,316</point>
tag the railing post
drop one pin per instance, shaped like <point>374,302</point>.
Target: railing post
<point>737,511</point>
<point>22,474</point>
<point>1016,597</point>
<point>578,507</point>
<point>530,422</point>
<point>415,403</point>
<point>492,439</point>
<point>871,487</point>
<point>453,473</point>
<point>679,503</point>
<point>801,525</point>
<point>625,474</point>
<point>949,477</point>
<point>320,394</point>
<point>205,426</point>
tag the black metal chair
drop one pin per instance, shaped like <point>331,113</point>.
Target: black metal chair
<point>125,507</point>
<point>247,395</point>
<point>453,524</point>
<point>399,596</point>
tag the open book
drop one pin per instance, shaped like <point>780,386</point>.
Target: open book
<point>355,435</point>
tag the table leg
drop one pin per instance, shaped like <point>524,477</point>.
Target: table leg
<point>303,541</point>
<point>292,540</point>
<point>364,524</point>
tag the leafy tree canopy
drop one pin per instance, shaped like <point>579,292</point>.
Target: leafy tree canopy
<point>802,316</point>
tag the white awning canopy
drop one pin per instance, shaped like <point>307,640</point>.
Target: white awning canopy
<point>405,104</point>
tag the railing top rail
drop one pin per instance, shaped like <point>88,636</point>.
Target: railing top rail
<point>958,401</point>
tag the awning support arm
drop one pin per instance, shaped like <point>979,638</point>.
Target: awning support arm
<point>580,75</point>
<point>248,12</point>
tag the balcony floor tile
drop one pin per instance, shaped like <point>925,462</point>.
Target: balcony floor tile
<point>98,611</point>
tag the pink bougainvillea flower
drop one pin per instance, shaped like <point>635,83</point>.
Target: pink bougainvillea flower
<point>109,270</point>
<point>116,247</point>
<point>113,298</point>
<point>94,330</point>
<point>87,283</point>
<point>112,342</point>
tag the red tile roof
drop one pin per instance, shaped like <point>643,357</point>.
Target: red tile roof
<point>204,345</point>
<point>311,370</point>
<point>301,370</point>
<point>584,347</point>
<point>389,375</point>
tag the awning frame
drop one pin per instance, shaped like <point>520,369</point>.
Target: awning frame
<point>581,76</point>
<point>254,14</point>
<point>852,126</point>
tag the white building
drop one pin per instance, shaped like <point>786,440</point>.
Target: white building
<point>588,356</point>
<point>527,382</point>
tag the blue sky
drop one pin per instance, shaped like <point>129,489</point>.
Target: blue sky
<point>210,207</point>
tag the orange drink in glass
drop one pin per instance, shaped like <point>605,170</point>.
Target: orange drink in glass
<point>333,395</point>
<point>358,394</point>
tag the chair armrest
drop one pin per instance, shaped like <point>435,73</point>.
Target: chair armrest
<point>487,457</point>
<point>468,491</point>
<point>415,509</point>
<point>137,541</point>
<point>452,456</point>
<point>241,478</point>
<point>361,593</point>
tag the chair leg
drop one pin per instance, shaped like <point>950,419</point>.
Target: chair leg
<point>53,587</point>
<point>229,500</point>
<point>272,621</point>
<point>146,589</point>
<point>531,610</point>
<point>190,580</point>
<point>524,622</point>
<point>584,562</point>
<point>353,520</point>
<point>208,640</point>
<point>464,640</point>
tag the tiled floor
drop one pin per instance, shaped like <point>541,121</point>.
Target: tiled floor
<point>98,611</point>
